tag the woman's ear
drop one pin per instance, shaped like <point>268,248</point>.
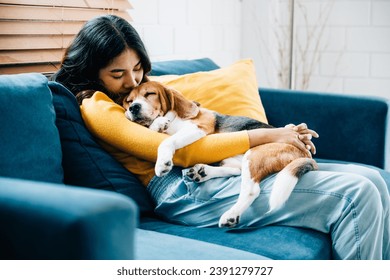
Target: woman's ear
<point>184,108</point>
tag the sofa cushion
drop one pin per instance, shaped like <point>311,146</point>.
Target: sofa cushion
<point>274,242</point>
<point>149,247</point>
<point>85,162</point>
<point>30,144</point>
<point>230,90</point>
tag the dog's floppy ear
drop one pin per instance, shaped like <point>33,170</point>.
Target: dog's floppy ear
<point>184,108</point>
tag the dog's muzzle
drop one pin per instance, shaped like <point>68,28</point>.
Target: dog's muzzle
<point>135,109</point>
<point>134,113</point>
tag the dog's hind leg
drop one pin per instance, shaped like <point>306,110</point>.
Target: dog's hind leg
<point>250,190</point>
<point>203,172</point>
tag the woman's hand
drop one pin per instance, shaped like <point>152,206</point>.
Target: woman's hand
<point>298,135</point>
<point>305,135</point>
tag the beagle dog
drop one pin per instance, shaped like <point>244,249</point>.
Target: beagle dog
<point>166,110</point>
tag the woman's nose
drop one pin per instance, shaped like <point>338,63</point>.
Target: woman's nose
<point>130,81</point>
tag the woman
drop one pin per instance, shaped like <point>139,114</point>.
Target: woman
<point>108,56</point>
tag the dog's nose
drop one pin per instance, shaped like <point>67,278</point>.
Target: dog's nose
<point>135,108</point>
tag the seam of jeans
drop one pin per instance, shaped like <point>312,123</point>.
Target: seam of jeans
<point>353,210</point>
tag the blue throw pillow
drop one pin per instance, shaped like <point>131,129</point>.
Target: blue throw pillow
<point>85,162</point>
<point>30,144</point>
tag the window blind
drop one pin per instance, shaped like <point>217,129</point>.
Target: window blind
<point>35,33</point>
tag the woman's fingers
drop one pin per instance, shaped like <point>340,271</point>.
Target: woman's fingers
<point>303,129</point>
<point>306,139</point>
<point>305,135</point>
<point>305,146</point>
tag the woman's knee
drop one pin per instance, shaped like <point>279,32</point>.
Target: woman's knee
<point>363,190</point>
<point>369,173</point>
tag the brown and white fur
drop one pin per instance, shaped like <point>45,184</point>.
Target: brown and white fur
<point>166,110</point>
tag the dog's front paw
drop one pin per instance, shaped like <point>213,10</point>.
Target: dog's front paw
<point>163,166</point>
<point>197,173</point>
<point>160,124</point>
<point>229,219</point>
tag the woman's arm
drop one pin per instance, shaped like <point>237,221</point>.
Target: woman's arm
<point>299,136</point>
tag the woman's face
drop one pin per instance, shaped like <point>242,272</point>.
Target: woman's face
<point>123,73</point>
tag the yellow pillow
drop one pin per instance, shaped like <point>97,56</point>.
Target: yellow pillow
<point>231,90</point>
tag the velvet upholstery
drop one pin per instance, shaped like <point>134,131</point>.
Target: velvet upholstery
<point>180,67</point>
<point>52,221</point>
<point>161,246</point>
<point>30,146</point>
<point>274,242</point>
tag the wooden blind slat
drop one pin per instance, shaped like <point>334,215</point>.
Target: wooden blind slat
<point>54,13</point>
<point>102,4</point>
<point>35,33</point>
<point>43,67</point>
<point>30,56</point>
<point>34,42</point>
<point>40,27</point>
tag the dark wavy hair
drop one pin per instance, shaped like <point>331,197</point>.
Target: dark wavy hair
<point>98,42</point>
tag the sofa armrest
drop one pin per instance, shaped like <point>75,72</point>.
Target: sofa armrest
<point>50,221</point>
<point>352,128</point>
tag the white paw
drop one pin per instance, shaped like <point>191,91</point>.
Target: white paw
<point>229,219</point>
<point>160,124</point>
<point>198,173</point>
<point>163,166</point>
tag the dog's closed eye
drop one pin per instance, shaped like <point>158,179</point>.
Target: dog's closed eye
<point>148,94</point>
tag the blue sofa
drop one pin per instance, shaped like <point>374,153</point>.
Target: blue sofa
<point>63,197</point>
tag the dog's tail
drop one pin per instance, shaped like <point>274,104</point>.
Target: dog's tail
<point>286,180</point>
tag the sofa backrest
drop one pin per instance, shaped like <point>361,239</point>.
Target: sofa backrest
<point>181,67</point>
<point>29,139</point>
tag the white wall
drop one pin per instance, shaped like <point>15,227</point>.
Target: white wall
<point>353,51</point>
<point>186,29</point>
<point>352,56</point>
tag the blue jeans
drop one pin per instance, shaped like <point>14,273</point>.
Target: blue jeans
<point>349,202</point>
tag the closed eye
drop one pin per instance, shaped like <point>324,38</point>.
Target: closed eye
<point>148,94</point>
<point>117,77</point>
